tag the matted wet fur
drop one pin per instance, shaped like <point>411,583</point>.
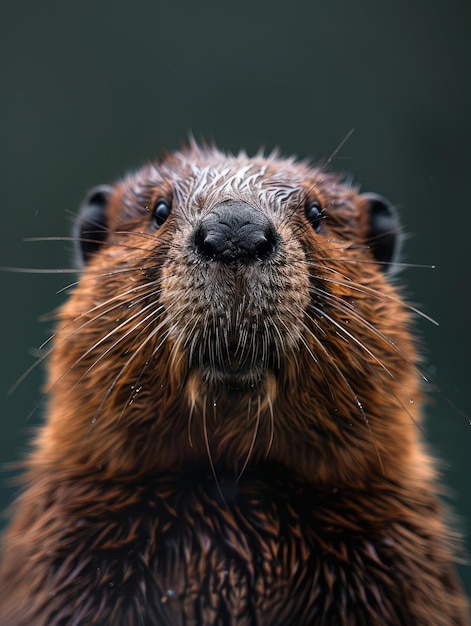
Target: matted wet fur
<point>233,405</point>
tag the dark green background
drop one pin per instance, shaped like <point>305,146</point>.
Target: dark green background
<point>90,89</point>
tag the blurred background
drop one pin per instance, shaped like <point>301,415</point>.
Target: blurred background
<point>91,89</point>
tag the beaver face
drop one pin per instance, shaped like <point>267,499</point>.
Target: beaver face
<point>256,287</point>
<point>239,237</point>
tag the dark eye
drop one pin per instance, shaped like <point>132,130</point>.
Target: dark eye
<point>161,212</point>
<point>315,214</point>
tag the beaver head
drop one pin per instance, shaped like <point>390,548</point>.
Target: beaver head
<point>235,309</point>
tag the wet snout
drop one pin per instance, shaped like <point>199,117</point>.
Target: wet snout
<point>235,232</point>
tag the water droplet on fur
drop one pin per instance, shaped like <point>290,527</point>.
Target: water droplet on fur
<point>411,401</point>
<point>93,420</point>
<point>111,584</point>
<point>170,593</point>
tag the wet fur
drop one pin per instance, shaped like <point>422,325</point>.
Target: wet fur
<point>163,490</point>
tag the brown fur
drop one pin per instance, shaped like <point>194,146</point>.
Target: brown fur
<point>158,494</point>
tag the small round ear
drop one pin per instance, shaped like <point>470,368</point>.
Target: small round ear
<point>384,234</point>
<point>91,228</point>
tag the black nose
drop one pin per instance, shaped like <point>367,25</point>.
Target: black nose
<point>235,232</point>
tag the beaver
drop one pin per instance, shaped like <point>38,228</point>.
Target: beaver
<point>233,414</point>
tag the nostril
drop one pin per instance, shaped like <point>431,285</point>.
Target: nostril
<point>208,245</point>
<point>265,244</point>
<point>209,248</point>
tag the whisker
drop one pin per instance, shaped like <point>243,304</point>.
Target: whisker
<point>135,387</point>
<point>208,451</point>
<point>112,386</point>
<point>36,270</point>
<point>348,334</point>
<point>349,311</point>
<point>103,339</point>
<point>398,264</point>
<point>252,443</point>
<point>102,305</point>
<point>368,291</point>
<point>272,427</point>
<point>73,333</point>
<point>190,421</point>
<point>320,170</point>
<point>346,383</point>
<point>345,308</point>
